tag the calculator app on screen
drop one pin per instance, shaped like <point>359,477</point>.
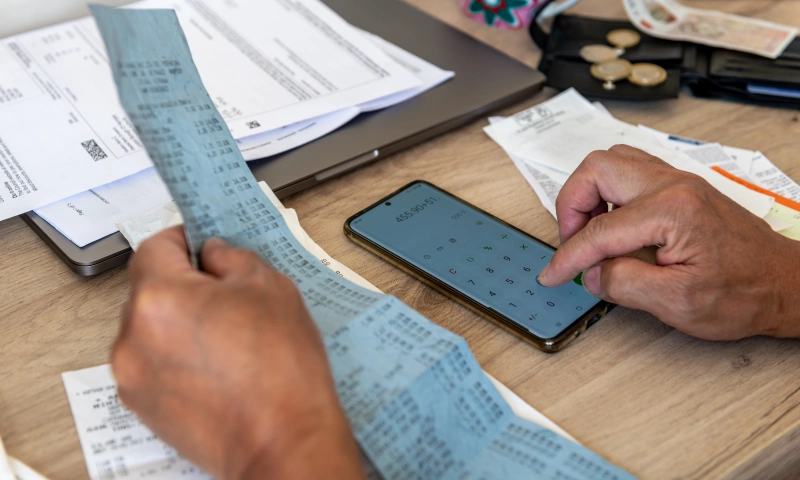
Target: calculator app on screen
<point>474,253</point>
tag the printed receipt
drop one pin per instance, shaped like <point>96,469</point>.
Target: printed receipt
<point>416,398</point>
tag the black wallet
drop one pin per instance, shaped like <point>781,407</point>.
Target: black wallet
<point>720,73</point>
<point>564,67</point>
<point>706,71</point>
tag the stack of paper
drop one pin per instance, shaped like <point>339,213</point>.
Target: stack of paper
<point>281,73</point>
<point>548,141</point>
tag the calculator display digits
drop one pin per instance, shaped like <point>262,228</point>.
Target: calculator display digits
<point>479,256</point>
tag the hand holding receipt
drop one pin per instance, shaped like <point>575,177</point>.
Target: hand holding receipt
<point>389,363</point>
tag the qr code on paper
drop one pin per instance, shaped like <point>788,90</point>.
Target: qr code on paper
<point>93,149</point>
<point>253,125</point>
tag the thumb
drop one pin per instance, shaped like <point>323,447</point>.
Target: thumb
<point>630,282</point>
<point>222,260</point>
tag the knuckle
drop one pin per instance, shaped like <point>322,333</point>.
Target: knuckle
<point>245,259</point>
<point>150,304</point>
<point>128,367</point>
<point>596,159</point>
<point>614,283</point>
<point>621,148</point>
<point>216,255</point>
<point>688,196</point>
<point>285,285</point>
<point>687,302</point>
<point>597,227</point>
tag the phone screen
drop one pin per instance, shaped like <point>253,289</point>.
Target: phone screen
<point>483,258</point>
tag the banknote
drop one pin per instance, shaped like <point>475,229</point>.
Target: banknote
<point>670,20</point>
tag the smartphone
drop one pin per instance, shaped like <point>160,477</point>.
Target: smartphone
<point>477,260</point>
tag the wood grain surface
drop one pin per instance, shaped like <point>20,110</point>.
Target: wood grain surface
<point>650,399</point>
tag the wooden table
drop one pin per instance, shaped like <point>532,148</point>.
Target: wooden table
<point>650,399</point>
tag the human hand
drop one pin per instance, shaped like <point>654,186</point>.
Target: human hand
<point>227,366</point>
<point>721,273</point>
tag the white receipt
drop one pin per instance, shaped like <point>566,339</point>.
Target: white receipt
<point>63,131</point>
<point>544,185</point>
<point>116,445</point>
<point>758,168</point>
<point>562,131</point>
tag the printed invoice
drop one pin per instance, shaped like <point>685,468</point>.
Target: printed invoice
<point>90,216</point>
<point>63,131</point>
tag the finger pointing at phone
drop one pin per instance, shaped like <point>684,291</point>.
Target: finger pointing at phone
<point>720,272</point>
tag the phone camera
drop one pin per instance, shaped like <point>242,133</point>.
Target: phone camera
<point>388,204</point>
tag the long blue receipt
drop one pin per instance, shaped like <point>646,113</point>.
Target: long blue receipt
<point>417,400</point>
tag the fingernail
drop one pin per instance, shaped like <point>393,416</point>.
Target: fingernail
<point>542,275</point>
<point>591,280</point>
<point>215,243</point>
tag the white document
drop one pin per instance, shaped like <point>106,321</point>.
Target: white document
<point>714,155</point>
<point>766,175</point>
<point>742,157</point>
<point>428,74</point>
<point>545,187</point>
<point>267,144</point>
<point>562,131</point>
<point>760,170</point>
<point>90,216</point>
<point>63,131</point>
<point>270,143</point>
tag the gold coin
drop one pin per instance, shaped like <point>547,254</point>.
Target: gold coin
<point>623,38</point>
<point>598,53</point>
<point>610,71</point>
<point>647,74</point>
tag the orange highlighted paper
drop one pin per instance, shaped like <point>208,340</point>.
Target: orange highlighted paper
<point>778,199</point>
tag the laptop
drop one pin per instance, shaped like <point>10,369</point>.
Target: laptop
<point>485,80</point>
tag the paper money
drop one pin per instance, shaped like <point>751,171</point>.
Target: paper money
<point>672,21</point>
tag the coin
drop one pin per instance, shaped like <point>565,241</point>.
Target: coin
<point>623,38</point>
<point>610,71</point>
<point>598,53</point>
<point>647,74</point>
